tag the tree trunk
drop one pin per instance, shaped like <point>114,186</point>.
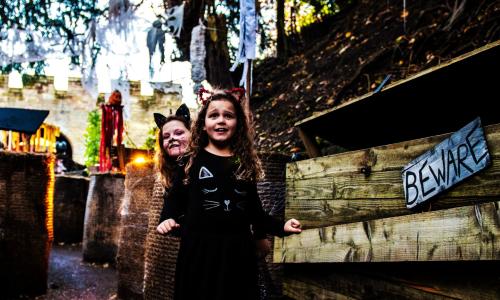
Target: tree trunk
<point>280,27</point>
<point>217,61</point>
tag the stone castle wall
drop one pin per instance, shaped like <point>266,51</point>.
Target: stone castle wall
<point>69,109</point>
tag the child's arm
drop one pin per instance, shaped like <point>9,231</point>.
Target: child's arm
<point>264,223</point>
<point>292,226</point>
<point>173,208</point>
<point>166,226</point>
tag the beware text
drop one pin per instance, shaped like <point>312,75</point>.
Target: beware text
<point>462,154</point>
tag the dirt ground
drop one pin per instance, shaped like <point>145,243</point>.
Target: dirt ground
<point>70,278</point>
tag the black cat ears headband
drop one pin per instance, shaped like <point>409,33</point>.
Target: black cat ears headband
<point>182,111</point>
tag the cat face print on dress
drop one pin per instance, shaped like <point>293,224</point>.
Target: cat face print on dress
<point>220,122</point>
<point>205,173</point>
<point>214,200</point>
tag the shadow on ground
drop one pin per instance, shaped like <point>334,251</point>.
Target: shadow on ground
<point>70,278</point>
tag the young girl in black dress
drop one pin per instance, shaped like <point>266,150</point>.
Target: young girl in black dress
<point>219,207</point>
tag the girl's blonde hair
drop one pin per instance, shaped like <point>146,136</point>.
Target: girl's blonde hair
<point>241,143</point>
<point>164,164</point>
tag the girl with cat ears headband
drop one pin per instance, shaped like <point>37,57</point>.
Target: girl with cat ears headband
<point>166,157</point>
<point>205,96</point>
<point>181,112</point>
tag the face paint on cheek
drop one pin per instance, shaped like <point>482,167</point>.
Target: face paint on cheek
<point>174,152</point>
<point>165,145</point>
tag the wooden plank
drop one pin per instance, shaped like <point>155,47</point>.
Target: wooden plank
<point>351,286</point>
<point>455,60</point>
<point>393,281</point>
<point>387,157</point>
<point>463,233</point>
<point>322,213</point>
<point>296,289</point>
<point>432,95</point>
<point>451,161</point>
<point>312,148</point>
<point>332,190</point>
<point>383,185</point>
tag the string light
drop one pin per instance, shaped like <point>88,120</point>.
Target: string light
<point>49,197</point>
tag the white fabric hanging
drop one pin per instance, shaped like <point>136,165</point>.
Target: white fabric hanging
<point>172,23</point>
<point>89,75</point>
<point>14,47</point>
<point>174,17</point>
<point>197,53</point>
<point>156,38</point>
<point>248,34</point>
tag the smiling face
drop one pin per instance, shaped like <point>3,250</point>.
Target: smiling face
<point>175,138</point>
<point>220,122</point>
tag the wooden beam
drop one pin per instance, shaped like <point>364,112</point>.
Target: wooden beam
<point>121,153</point>
<point>425,72</point>
<point>322,213</point>
<point>297,289</point>
<point>367,184</point>
<point>312,148</point>
<point>246,104</point>
<point>353,286</point>
<point>382,118</point>
<point>393,281</point>
<point>464,233</point>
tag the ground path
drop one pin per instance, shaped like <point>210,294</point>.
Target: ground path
<point>70,278</point>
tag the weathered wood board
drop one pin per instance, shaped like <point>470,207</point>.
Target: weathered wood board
<point>462,233</point>
<point>456,158</point>
<point>367,184</point>
<point>433,280</point>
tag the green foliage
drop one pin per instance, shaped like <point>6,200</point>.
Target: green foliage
<point>92,137</point>
<point>308,12</point>
<point>150,142</point>
<point>31,80</point>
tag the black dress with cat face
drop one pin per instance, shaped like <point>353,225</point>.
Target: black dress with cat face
<point>217,213</point>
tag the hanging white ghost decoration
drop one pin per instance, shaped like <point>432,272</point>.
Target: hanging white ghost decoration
<point>173,19</point>
<point>156,36</point>
<point>248,33</point>
<point>197,53</point>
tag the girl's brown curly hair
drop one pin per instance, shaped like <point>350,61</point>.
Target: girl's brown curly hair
<point>242,146</point>
<point>164,164</point>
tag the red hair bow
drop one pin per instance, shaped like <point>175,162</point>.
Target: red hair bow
<point>204,95</point>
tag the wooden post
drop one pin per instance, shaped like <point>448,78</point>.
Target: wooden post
<point>120,149</point>
<point>26,142</point>
<point>9,145</point>
<point>247,95</point>
<point>312,148</point>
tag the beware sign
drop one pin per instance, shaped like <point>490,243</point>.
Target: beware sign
<point>461,155</point>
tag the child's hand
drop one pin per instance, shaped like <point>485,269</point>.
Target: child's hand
<point>166,226</point>
<point>292,226</point>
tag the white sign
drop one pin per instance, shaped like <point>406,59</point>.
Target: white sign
<point>461,155</point>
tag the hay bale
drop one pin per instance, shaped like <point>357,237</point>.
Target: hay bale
<point>272,192</point>
<point>161,253</point>
<point>70,198</point>
<point>134,224</point>
<point>26,191</point>
<point>101,229</point>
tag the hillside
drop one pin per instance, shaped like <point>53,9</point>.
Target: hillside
<point>349,54</point>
